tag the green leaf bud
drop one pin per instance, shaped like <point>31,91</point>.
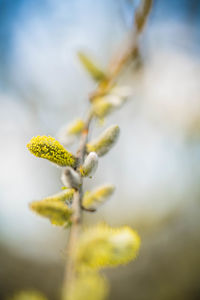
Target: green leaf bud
<point>57,212</point>
<point>95,72</point>
<point>91,200</point>
<point>90,165</point>
<point>48,148</point>
<point>70,178</point>
<point>104,246</point>
<point>105,141</point>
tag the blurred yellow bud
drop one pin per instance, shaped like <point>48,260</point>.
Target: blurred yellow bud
<point>90,165</point>
<point>102,107</point>
<point>87,286</point>
<point>117,96</point>
<point>95,72</point>
<point>104,246</point>
<point>67,134</point>
<point>91,200</point>
<point>48,148</point>
<point>105,141</point>
<point>28,295</point>
<point>76,127</point>
<point>57,212</point>
<point>65,196</point>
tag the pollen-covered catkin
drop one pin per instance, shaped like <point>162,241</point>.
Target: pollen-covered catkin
<point>47,147</point>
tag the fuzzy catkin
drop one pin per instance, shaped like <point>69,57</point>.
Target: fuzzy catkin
<point>48,148</point>
<point>105,141</point>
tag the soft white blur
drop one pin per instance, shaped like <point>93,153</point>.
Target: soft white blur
<point>154,165</point>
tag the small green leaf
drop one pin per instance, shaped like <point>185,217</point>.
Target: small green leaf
<point>91,200</point>
<point>48,148</point>
<point>103,246</point>
<point>105,141</point>
<point>95,72</point>
<point>57,212</point>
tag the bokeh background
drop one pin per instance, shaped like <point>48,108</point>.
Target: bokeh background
<point>155,165</point>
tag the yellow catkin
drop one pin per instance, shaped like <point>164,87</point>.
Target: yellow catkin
<point>63,196</point>
<point>103,246</point>
<point>48,148</point>
<point>57,212</point>
<point>105,141</point>
<point>97,197</point>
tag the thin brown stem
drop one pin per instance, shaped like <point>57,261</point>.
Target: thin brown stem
<point>128,52</point>
<point>70,271</point>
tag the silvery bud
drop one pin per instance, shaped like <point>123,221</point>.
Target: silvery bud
<point>70,178</point>
<point>105,141</point>
<point>90,165</point>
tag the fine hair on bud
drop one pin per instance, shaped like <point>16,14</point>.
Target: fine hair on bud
<point>95,198</point>
<point>90,165</point>
<point>64,196</point>
<point>70,178</point>
<point>57,212</point>
<point>105,141</point>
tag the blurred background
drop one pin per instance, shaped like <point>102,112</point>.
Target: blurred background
<point>155,165</point>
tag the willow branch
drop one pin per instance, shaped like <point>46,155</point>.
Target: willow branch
<point>77,209</point>
<point>114,69</point>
